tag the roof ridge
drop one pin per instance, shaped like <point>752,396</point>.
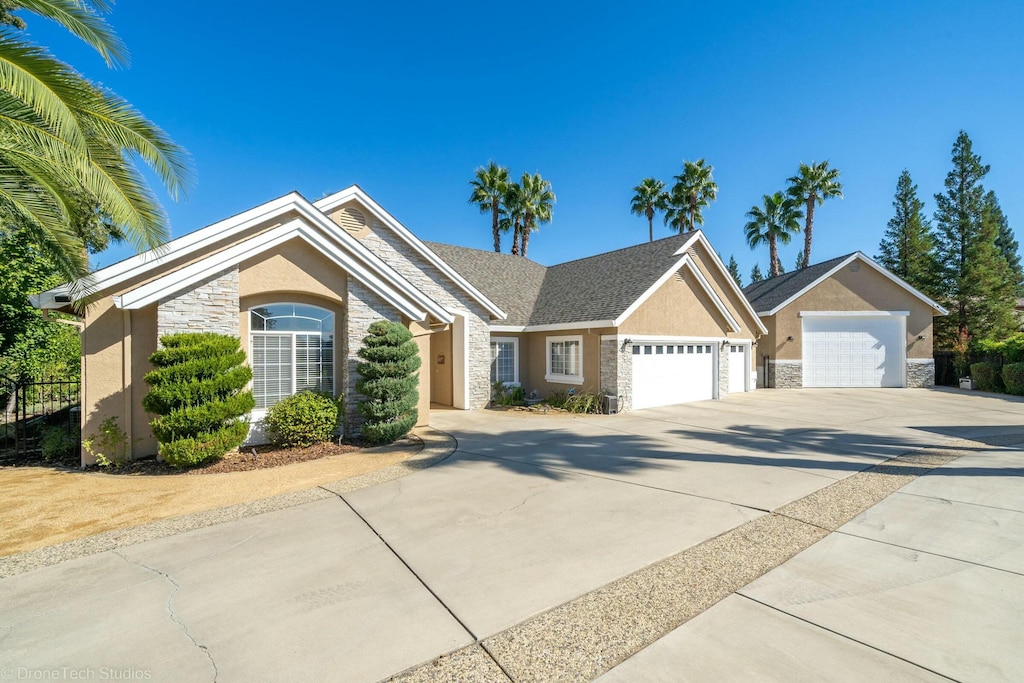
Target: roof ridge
<point>620,249</point>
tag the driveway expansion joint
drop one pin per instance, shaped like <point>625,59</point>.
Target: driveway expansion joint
<point>175,588</point>
<point>743,595</point>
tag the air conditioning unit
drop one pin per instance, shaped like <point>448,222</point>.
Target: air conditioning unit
<point>609,404</point>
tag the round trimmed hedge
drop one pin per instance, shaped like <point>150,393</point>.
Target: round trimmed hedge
<point>303,419</point>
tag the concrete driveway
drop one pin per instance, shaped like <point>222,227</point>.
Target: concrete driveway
<point>532,512</point>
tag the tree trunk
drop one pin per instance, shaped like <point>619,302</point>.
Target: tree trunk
<point>693,213</point>
<point>526,235</point>
<point>808,230</point>
<point>773,257</point>
<point>494,226</point>
<point>515,237</point>
<point>650,224</point>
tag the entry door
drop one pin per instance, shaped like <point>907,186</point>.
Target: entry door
<point>441,367</point>
<point>854,351</point>
<point>666,374</point>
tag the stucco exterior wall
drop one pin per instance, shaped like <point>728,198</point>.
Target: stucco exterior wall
<point>861,290</point>
<point>536,353</point>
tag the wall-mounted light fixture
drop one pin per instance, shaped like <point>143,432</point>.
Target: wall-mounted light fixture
<point>920,337</point>
<point>789,338</point>
<point>626,343</point>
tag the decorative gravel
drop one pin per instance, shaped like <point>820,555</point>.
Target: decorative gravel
<point>468,665</point>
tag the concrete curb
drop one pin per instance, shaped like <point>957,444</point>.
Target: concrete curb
<point>436,447</point>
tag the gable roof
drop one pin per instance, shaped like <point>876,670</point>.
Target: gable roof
<point>770,296</point>
<point>335,200</point>
<point>597,291</point>
<point>301,219</point>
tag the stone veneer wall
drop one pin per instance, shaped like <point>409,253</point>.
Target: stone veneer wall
<point>617,372</point>
<point>921,373</point>
<point>786,375</point>
<point>723,371</point>
<point>363,309</point>
<point>394,251</point>
<point>209,307</point>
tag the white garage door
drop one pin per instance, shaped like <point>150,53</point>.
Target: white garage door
<point>665,374</point>
<point>855,351</point>
<point>739,368</point>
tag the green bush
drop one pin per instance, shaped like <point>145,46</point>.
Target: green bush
<point>1011,348</point>
<point>557,398</point>
<point>303,419</point>
<point>986,377</point>
<point>197,392</point>
<point>583,403</point>
<point>1013,378</point>
<point>504,395</point>
<point>389,382</point>
<point>59,443</point>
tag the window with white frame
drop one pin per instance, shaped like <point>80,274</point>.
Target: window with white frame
<point>291,349</point>
<point>505,360</point>
<point>565,359</point>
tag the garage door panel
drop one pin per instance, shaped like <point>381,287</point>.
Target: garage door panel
<point>738,368</point>
<point>679,373</point>
<point>858,351</point>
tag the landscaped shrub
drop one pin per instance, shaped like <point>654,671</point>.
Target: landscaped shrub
<point>986,377</point>
<point>59,444</point>
<point>504,395</point>
<point>1013,378</point>
<point>583,403</point>
<point>389,382</point>
<point>303,419</point>
<point>557,398</point>
<point>197,392</point>
<point>1011,348</point>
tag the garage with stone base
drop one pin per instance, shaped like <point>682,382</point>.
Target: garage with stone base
<point>845,323</point>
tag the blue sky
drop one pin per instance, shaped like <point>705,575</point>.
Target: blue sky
<point>407,99</point>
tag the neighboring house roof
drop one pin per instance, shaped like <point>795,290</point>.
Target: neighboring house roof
<point>770,296</point>
<point>301,220</point>
<point>597,291</point>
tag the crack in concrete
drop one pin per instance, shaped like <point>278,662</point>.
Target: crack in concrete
<point>170,609</point>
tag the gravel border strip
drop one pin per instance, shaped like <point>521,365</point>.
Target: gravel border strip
<point>585,637</point>
<point>434,446</point>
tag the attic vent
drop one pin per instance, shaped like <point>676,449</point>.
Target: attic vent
<point>679,275</point>
<point>854,267</point>
<point>351,219</point>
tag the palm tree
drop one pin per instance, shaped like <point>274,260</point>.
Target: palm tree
<point>488,193</point>
<point>813,185</point>
<point>67,143</point>
<point>777,221</point>
<point>515,210</point>
<point>537,203</point>
<point>650,197</point>
<point>694,190</point>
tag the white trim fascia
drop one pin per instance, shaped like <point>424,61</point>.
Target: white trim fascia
<point>669,339</point>
<point>355,192</point>
<point>852,314</point>
<point>651,290</point>
<point>115,274</point>
<point>554,327</point>
<point>857,255</point>
<point>182,278</point>
<point>726,276</point>
<point>715,299</point>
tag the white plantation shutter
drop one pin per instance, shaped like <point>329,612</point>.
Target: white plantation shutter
<point>271,368</point>
<point>292,350</point>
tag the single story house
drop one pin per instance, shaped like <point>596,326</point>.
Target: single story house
<point>846,322</point>
<point>300,282</point>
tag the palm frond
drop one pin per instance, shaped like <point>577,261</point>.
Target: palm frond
<point>83,20</point>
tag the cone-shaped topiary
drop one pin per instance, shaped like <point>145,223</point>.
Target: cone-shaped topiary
<point>389,382</point>
<point>197,392</point>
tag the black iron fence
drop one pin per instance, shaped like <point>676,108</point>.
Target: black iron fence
<point>40,421</point>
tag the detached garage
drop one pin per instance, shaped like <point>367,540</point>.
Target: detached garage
<point>847,322</point>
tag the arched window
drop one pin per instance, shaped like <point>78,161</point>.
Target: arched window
<point>291,350</point>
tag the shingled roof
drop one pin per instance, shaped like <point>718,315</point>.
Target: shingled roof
<point>767,294</point>
<point>596,288</point>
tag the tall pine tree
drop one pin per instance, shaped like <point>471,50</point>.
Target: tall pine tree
<point>1006,243</point>
<point>908,246</point>
<point>974,277</point>
<point>755,274</point>
<point>734,270</point>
